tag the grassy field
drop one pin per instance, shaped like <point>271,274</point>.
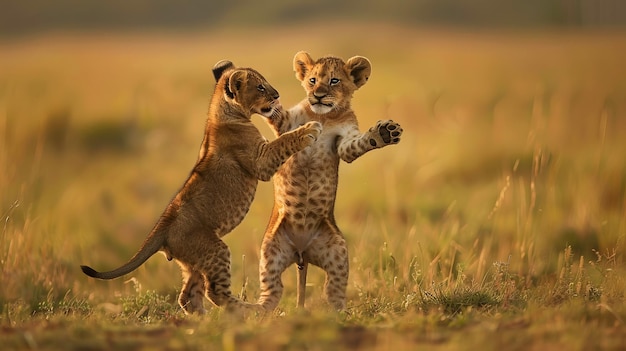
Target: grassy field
<point>498,222</point>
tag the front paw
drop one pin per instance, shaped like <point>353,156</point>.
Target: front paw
<point>385,133</point>
<point>311,131</point>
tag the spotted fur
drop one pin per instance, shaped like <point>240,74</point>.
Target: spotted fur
<point>302,226</point>
<point>218,193</point>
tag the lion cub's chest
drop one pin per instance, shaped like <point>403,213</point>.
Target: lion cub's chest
<point>318,159</point>
<point>307,183</point>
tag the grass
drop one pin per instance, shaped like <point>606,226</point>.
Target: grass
<point>498,221</point>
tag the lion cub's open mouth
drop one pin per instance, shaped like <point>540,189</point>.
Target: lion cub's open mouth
<point>268,111</point>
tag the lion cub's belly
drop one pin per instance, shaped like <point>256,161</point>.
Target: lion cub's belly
<point>234,209</point>
<point>306,186</point>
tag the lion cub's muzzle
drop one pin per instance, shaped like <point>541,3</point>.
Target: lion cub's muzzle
<point>273,107</point>
<point>320,101</point>
<point>321,105</point>
<point>321,97</point>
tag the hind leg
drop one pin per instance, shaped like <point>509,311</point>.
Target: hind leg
<point>216,272</point>
<point>330,252</point>
<point>276,256</point>
<point>192,293</point>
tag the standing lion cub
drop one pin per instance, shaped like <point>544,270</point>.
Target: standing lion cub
<point>302,227</point>
<point>218,193</point>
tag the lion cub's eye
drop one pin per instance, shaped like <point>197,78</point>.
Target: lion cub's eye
<point>312,81</point>
<point>260,88</point>
<point>334,81</point>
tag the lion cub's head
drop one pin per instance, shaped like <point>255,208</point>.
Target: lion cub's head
<point>329,81</point>
<point>246,88</point>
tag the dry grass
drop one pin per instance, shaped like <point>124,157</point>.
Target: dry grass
<point>499,220</point>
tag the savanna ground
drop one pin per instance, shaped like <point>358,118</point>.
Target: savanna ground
<point>498,222</point>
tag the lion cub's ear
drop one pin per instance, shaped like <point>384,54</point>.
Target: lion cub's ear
<point>359,69</point>
<point>302,62</point>
<point>221,67</point>
<point>235,83</point>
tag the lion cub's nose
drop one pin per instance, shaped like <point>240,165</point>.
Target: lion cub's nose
<point>319,94</point>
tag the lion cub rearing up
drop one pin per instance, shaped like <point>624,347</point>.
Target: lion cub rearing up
<point>218,193</point>
<point>302,227</point>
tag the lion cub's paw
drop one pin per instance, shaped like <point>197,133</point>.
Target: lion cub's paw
<point>310,132</point>
<point>388,132</point>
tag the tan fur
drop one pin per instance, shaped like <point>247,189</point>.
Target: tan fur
<point>302,226</point>
<point>218,193</point>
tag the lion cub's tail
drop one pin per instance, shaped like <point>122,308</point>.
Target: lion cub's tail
<point>154,242</point>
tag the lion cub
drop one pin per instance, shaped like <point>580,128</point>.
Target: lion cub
<point>218,193</point>
<point>302,226</point>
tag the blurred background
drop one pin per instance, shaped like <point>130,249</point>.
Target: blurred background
<point>40,16</point>
<point>514,115</point>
